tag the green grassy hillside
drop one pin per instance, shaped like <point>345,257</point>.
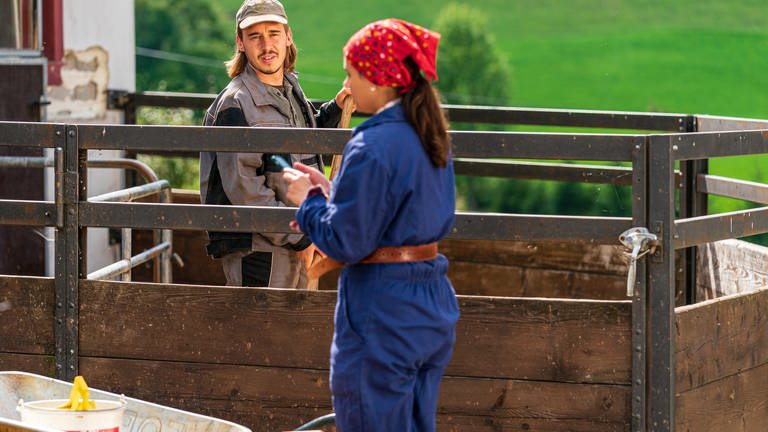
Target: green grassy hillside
<point>698,56</point>
<point>688,56</point>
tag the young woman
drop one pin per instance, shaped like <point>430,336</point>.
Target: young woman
<point>392,201</point>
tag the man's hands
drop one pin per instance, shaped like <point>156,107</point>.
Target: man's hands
<point>307,255</point>
<point>341,95</point>
<point>301,178</point>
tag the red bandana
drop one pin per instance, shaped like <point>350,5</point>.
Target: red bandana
<point>377,51</point>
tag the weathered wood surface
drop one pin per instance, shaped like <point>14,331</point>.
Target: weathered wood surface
<point>721,364</point>
<point>26,315</point>
<point>730,267</point>
<point>737,403</point>
<point>34,363</point>
<point>270,398</point>
<point>259,356</point>
<point>720,338</point>
<point>538,339</point>
<point>492,268</point>
<point>261,398</point>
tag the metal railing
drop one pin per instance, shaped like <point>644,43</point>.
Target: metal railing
<point>653,180</point>
<point>162,251</point>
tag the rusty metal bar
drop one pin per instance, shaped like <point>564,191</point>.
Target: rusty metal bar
<point>73,141</point>
<point>461,113</point>
<point>68,252</point>
<point>42,162</point>
<point>163,273</point>
<point>573,118</point>
<point>125,265</point>
<point>134,193</point>
<point>704,145</point>
<point>494,226</point>
<point>490,226</point>
<point>705,229</point>
<point>199,138</point>
<point>579,173</point>
<point>661,287</point>
<point>602,147</point>
<point>136,165</point>
<point>199,101</point>
<point>58,176</point>
<point>126,247</point>
<point>25,161</point>
<point>692,203</point>
<point>733,188</point>
<point>163,267</point>
<point>533,145</point>
<point>708,123</point>
<point>544,171</point>
<point>28,134</point>
<point>28,213</point>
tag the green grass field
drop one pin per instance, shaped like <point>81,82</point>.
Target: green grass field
<point>693,56</point>
<point>689,56</point>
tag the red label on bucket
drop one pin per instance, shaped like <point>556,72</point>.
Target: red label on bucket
<point>115,429</point>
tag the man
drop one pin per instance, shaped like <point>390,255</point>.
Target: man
<point>264,91</point>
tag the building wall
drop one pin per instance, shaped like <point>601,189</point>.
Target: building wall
<point>110,25</point>
<point>99,55</point>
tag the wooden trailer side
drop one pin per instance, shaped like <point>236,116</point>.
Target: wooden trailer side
<point>722,343</point>
<point>26,320</point>
<point>259,356</point>
<point>722,364</point>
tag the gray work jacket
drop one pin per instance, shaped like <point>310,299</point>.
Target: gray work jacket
<point>250,178</point>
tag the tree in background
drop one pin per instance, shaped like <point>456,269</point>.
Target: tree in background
<point>177,43</point>
<point>472,72</point>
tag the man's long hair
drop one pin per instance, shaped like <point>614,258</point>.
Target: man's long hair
<point>236,65</point>
<point>423,111</point>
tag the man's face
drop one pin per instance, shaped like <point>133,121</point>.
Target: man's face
<point>266,45</point>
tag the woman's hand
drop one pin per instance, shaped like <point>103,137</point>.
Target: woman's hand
<point>301,178</point>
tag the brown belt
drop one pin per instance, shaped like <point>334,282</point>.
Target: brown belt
<point>386,254</point>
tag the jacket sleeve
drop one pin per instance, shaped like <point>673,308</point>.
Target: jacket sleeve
<point>351,225</point>
<point>243,180</point>
<point>328,115</point>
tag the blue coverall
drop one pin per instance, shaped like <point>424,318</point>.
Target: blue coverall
<point>394,323</point>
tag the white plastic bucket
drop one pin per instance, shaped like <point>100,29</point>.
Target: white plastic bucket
<point>106,417</point>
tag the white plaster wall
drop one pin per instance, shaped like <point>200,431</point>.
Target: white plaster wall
<point>109,24</point>
<point>102,30</point>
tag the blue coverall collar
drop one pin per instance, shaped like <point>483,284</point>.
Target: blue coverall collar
<point>392,114</point>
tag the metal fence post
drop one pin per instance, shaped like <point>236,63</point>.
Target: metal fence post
<point>692,204</point>
<point>639,213</point>
<point>661,286</point>
<point>70,258</point>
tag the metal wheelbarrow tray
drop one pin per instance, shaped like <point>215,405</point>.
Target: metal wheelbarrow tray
<point>140,416</point>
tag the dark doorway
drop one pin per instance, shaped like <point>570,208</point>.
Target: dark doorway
<point>22,249</point>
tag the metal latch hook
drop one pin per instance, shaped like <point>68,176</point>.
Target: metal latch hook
<point>641,242</point>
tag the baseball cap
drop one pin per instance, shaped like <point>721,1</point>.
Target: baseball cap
<point>256,11</point>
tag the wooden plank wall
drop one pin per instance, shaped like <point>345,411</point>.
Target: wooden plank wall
<point>730,267</point>
<point>537,269</point>
<point>259,356</point>
<point>721,364</point>
<point>722,343</point>
<point>26,320</point>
